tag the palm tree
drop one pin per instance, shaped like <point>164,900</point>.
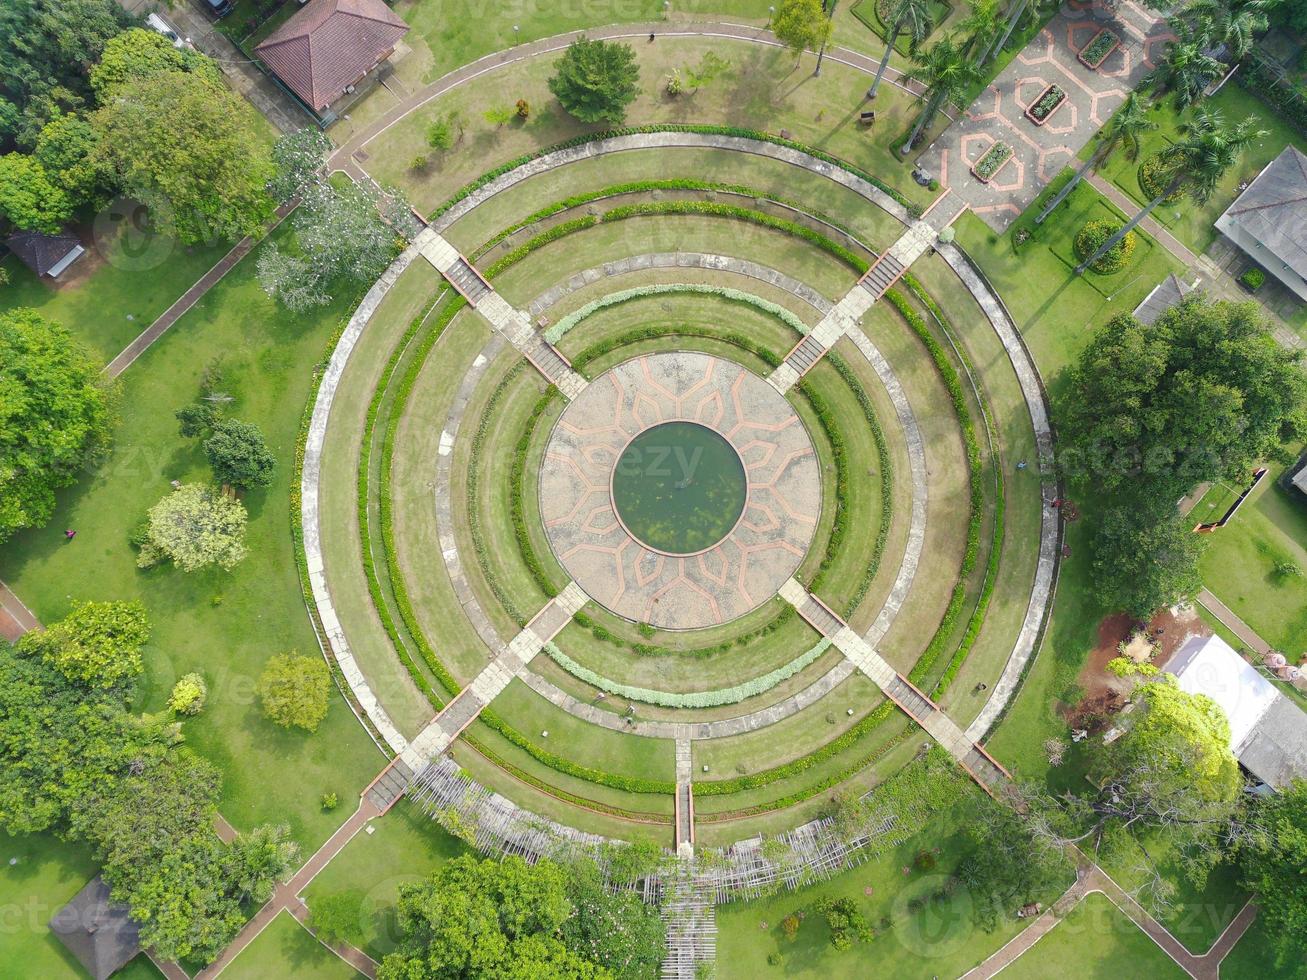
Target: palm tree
<point>980,26</point>
<point>914,15</point>
<point>1195,165</point>
<point>1230,22</point>
<point>1121,132</point>
<point>1019,7</point>
<point>1187,71</point>
<point>946,74</point>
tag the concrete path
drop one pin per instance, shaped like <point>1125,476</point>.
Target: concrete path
<point>15,618</point>
<point>1233,623</point>
<point>192,296</point>
<point>1041,151</point>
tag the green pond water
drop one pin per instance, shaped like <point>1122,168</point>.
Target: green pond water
<point>679,487</point>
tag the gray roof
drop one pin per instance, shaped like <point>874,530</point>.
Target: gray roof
<point>1166,294</point>
<point>1269,219</point>
<point>41,252</point>
<point>102,935</point>
<point>1276,750</point>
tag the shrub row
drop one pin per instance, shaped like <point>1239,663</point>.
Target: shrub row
<point>560,230</point>
<point>691,699</point>
<point>516,483</point>
<point>602,634</point>
<point>1000,513</point>
<point>736,131</point>
<point>560,329</point>
<point>953,385</point>
<point>630,784</point>
<point>816,238</point>
<point>742,341</point>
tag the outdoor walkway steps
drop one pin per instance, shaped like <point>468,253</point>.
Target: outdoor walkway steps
<point>881,276</point>
<point>463,277</point>
<point>805,354</point>
<point>390,785</point>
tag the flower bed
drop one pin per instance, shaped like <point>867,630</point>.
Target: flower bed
<point>992,162</point>
<point>1094,234</point>
<point>1049,101</point>
<point>1102,44</point>
<point>1153,178</point>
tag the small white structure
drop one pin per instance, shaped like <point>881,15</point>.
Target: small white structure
<point>1268,732</point>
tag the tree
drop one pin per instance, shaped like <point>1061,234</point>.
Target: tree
<point>97,643</point>
<point>1201,395</point>
<point>1007,866</point>
<point>1122,132</point>
<point>596,80</point>
<point>981,26</point>
<point>239,455</point>
<point>711,67</point>
<point>845,920</point>
<point>196,419</point>
<point>188,694</point>
<point>480,919</point>
<point>256,861</point>
<point>55,416</point>
<point>30,197</point>
<point>945,73</point>
<point>1272,858</point>
<point>64,149</point>
<point>618,931</point>
<point>801,25</point>
<point>498,115</point>
<point>191,150</point>
<point>912,16</point>
<point>139,53</point>
<point>294,690</point>
<point>1194,166</point>
<point>298,160</point>
<point>445,131</point>
<point>195,526</point>
<point>1234,23</point>
<point>1146,557</point>
<point>1019,7</point>
<point>1187,70</point>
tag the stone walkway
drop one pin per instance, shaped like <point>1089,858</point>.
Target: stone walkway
<point>1233,623</point>
<point>1041,152</point>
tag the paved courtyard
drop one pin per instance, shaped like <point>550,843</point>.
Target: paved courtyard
<point>746,567</point>
<point>1040,152</point>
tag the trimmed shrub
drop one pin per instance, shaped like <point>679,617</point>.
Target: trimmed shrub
<point>1153,179</point>
<point>1253,279</point>
<point>1092,236</point>
<point>188,695</point>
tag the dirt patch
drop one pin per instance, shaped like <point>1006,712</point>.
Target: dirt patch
<point>1168,630</point>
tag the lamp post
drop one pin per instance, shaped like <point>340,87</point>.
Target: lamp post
<point>771,12</point>
<point>517,32</point>
<point>667,9</point>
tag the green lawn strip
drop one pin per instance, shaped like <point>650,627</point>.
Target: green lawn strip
<point>419,587</point>
<point>1055,311</point>
<point>764,97</point>
<point>286,949</point>
<point>404,846</point>
<point>349,570</point>
<point>940,940</point>
<point>1253,957</point>
<point>1023,500</point>
<point>109,295</point>
<point>224,625</point>
<point>1239,565</point>
<point>1190,222</point>
<point>1195,916</point>
<point>1214,503</point>
<point>764,177</point>
<point>1101,941</point>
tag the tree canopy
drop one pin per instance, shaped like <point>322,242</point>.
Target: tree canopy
<point>239,455</point>
<point>1007,865</point>
<point>295,690</point>
<point>1145,556</point>
<point>195,526</point>
<point>139,53</point>
<point>191,150</point>
<point>617,931</point>
<point>97,643</point>
<point>65,148</point>
<point>596,80</point>
<point>55,416</point>
<point>1273,858</point>
<point>801,25</point>
<point>30,197</point>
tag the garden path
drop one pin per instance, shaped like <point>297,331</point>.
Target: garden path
<point>1041,151</point>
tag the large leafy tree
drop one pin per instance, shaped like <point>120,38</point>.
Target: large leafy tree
<point>137,54</point>
<point>97,643</point>
<point>294,690</point>
<point>481,919</point>
<point>30,196</point>
<point>596,80</point>
<point>1201,395</point>
<point>65,150</point>
<point>801,25</point>
<point>191,150</point>
<point>195,526</point>
<point>1007,865</point>
<point>1234,23</point>
<point>912,16</point>
<point>239,455</point>
<point>298,160</point>
<point>1273,858</point>
<point>1145,556</point>
<point>54,416</point>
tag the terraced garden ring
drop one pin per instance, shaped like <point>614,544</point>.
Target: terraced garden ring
<point>695,544</point>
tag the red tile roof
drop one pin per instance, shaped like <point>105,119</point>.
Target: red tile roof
<point>330,44</point>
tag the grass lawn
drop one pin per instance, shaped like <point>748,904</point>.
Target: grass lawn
<point>1239,566</point>
<point>115,290</point>
<point>223,624</point>
<point>287,949</point>
<point>1214,503</point>
<point>1096,941</point>
<point>1253,958</point>
<point>941,940</point>
<point>1189,221</point>
<point>405,846</point>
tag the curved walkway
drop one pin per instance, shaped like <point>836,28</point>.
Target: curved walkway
<point>343,157</point>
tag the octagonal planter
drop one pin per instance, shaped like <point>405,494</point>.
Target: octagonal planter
<point>994,160</point>
<point>1102,44</point>
<point>1049,101</point>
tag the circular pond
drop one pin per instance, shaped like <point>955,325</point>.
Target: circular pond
<point>679,488</point>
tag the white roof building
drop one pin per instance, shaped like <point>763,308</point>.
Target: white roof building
<point>1268,732</point>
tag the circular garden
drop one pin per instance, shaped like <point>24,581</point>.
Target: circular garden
<point>458,492</point>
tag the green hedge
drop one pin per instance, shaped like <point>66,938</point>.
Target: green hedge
<point>560,230</point>
<point>516,483</point>
<point>736,131</point>
<point>602,634</point>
